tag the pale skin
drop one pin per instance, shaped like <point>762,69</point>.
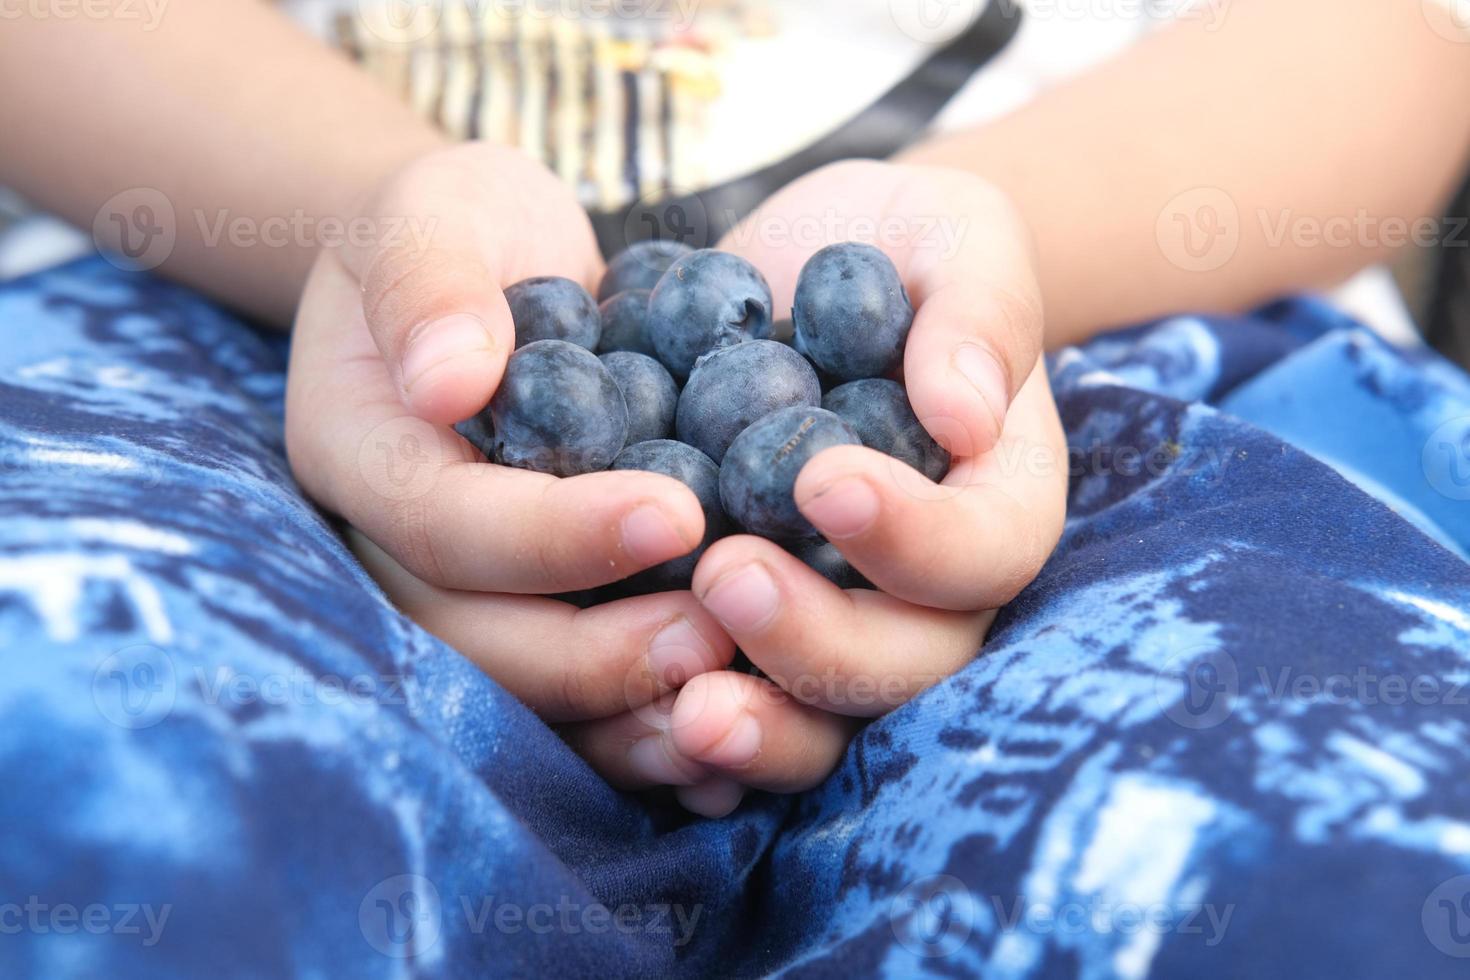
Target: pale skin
<point>1060,202</point>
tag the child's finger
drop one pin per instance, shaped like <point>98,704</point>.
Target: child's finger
<point>971,542</point>
<point>434,302</point>
<point>633,751</point>
<point>567,664</point>
<point>716,797</point>
<point>859,653</point>
<point>442,325</point>
<point>426,497</point>
<point>978,324</point>
<point>750,730</point>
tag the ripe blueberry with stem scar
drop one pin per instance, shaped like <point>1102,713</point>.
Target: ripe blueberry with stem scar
<point>640,266</point>
<point>707,300</point>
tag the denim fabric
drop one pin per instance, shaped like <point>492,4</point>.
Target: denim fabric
<point>1225,733</point>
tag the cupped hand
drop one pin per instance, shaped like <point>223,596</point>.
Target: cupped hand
<point>945,556</point>
<point>405,332</point>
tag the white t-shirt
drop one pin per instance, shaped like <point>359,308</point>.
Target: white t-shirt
<point>697,92</point>
<point>693,93</point>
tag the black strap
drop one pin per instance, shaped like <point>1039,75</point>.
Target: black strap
<point>876,133</point>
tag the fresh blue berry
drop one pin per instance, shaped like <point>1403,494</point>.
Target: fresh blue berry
<point>700,474</point>
<point>734,387</point>
<point>648,391</point>
<point>852,313</point>
<point>480,433</point>
<point>558,411</point>
<point>824,559</point>
<point>640,266</point>
<point>625,323</point>
<point>552,308</point>
<point>879,412</point>
<point>759,474</point>
<point>707,300</point>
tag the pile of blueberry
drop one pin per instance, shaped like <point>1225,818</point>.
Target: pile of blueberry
<point>691,384</point>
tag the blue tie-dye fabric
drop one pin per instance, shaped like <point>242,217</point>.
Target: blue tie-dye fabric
<point>1225,733</point>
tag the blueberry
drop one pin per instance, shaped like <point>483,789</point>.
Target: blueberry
<point>480,433</point>
<point>640,266</point>
<point>551,308</point>
<point>879,413</point>
<point>708,299</point>
<point>697,472</point>
<point>648,391</point>
<point>625,323</point>
<point>736,386</point>
<point>558,411</point>
<point>824,559</point>
<point>760,469</point>
<point>852,313</point>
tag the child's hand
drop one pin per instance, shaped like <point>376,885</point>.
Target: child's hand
<point>394,343</point>
<point>946,556</point>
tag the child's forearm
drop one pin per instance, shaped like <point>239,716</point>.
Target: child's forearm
<point>1289,113</point>
<point>225,108</point>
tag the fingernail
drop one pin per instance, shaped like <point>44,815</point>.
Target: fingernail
<point>443,340</point>
<point>738,748</point>
<point>650,760</point>
<point>716,797</point>
<point>744,600</point>
<point>678,653</point>
<point>983,370</point>
<point>649,536</point>
<point>843,509</point>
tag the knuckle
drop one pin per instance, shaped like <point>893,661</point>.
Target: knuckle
<point>391,274</point>
<point>577,690</point>
<point>416,546</point>
<point>1032,547</point>
<point>553,564</point>
<point>405,282</point>
<point>1014,321</point>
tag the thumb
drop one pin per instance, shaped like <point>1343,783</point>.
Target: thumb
<point>978,326</point>
<point>440,320</point>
